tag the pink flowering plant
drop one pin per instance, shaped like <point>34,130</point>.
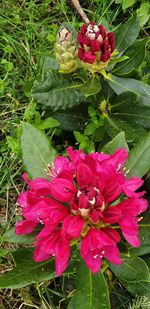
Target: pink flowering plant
<point>83,212</point>
<point>86,200</point>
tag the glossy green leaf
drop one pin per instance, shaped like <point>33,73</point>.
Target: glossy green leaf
<point>118,141</point>
<point>27,271</point>
<point>143,12</point>
<point>127,3</point>
<point>57,91</point>
<point>37,152</point>
<point>136,54</point>
<point>114,125</point>
<point>126,34</point>
<point>144,235</point>
<point>146,258</point>
<point>72,119</point>
<point>133,274</point>
<point>121,85</point>
<point>92,290</point>
<point>138,161</point>
<point>91,86</point>
<point>48,123</point>
<point>46,64</point>
<point>129,108</point>
<point>120,298</point>
<point>11,237</point>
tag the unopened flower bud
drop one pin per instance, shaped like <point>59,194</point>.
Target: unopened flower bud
<point>95,46</point>
<point>66,51</point>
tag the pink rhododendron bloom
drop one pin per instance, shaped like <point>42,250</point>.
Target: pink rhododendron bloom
<point>82,201</point>
<point>95,46</point>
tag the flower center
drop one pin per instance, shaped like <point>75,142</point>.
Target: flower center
<point>86,200</point>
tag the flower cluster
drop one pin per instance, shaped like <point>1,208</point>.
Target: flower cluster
<point>95,48</point>
<point>86,199</point>
<point>95,44</point>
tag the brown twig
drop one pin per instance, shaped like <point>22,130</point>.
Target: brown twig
<point>78,8</point>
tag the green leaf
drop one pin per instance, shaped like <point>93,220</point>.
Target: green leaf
<point>14,144</point>
<point>91,86</point>
<point>48,123</point>
<point>144,235</point>
<point>146,258</point>
<point>136,54</point>
<point>37,152</point>
<point>121,85</point>
<point>72,119</point>
<point>133,274</point>
<point>119,141</point>
<point>143,12</point>
<point>113,126</point>
<point>120,298</point>
<point>129,108</point>
<point>11,237</point>
<point>26,271</point>
<point>46,64</point>
<point>57,91</point>
<point>126,34</point>
<point>90,128</point>
<point>138,162</point>
<point>127,3</point>
<point>92,290</point>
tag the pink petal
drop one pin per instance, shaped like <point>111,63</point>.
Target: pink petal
<point>47,230</point>
<point>72,226</point>
<point>80,53</point>
<point>111,192</point>
<point>80,38</point>
<point>105,56</point>
<point>40,255</point>
<point>46,209</point>
<point>62,251</point>
<point>75,155</point>
<point>25,227</point>
<point>132,185</point>
<point>62,168</point>
<point>112,214</point>
<point>89,57</point>
<point>83,202</point>
<point>26,178</point>
<point>95,45</point>
<point>103,238</point>
<point>111,253</point>
<point>113,234</point>
<point>84,175</point>
<point>41,186</point>
<point>118,158</point>
<point>93,260</point>
<point>111,40</point>
<point>84,29</point>
<point>22,199</point>
<point>62,189</point>
<point>129,225</point>
<point>133,206</point>
<point>89,242</point>
<point>102,31</point>
<point>133,240</point>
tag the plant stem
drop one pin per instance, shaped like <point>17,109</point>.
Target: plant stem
<point>78,8</point>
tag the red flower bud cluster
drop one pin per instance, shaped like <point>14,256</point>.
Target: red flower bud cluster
<point>95,44</point>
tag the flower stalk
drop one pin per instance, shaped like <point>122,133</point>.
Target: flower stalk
<point>78,8</point>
